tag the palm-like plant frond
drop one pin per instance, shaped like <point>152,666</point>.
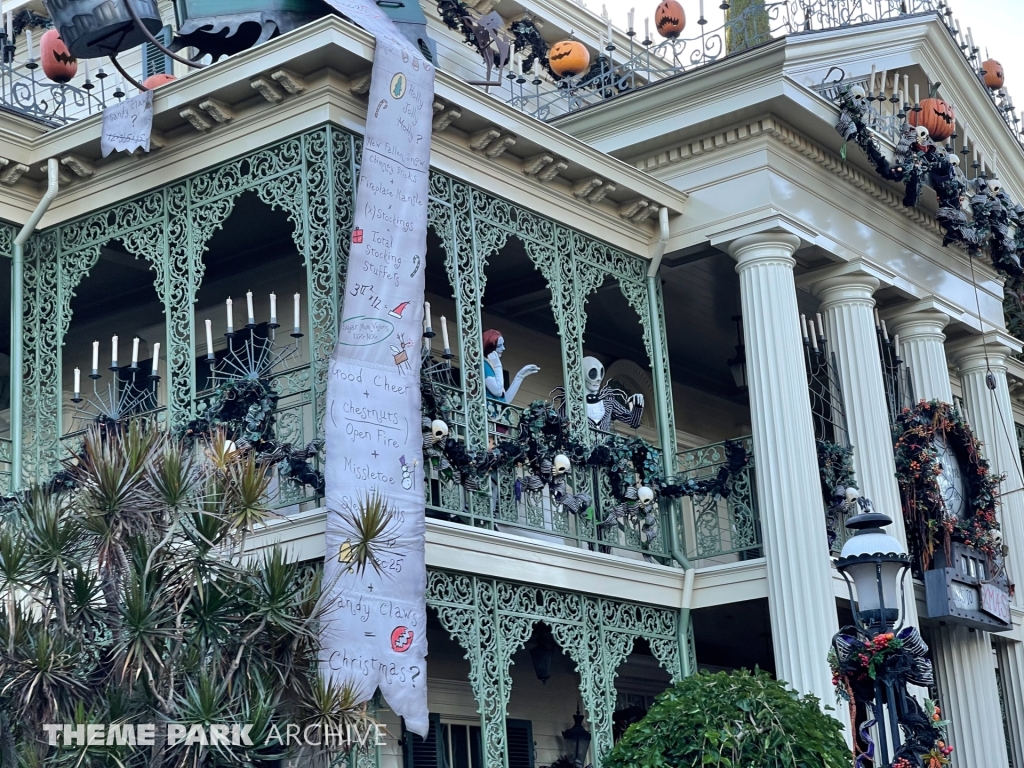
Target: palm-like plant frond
<point>371,530</point>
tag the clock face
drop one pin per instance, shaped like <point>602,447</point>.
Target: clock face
<point>950,479</point>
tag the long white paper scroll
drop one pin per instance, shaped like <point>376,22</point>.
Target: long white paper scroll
<point>376,635</point>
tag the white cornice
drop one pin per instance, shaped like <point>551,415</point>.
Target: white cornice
<point>456,547</point>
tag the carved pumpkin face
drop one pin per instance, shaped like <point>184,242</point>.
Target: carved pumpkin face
<point>58,63</point>
<point>155,81</point>
<point>937,116</point>
<point>993,74</point>
<point>568,58</point>
<point>669,18</point>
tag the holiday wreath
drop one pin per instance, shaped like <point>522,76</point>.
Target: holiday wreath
<point>929,525</point>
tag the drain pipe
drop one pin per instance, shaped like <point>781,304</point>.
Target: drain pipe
<point>668,452</point>
<point>17,322</point>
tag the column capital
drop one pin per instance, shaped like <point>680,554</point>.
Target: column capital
<point>921,324</point>
<point>982,351</point>
<point>856,287</point>
<point>777,247</point>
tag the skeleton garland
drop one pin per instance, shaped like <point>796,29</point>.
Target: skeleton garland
<point>976,214</point>
<point>544,449</point>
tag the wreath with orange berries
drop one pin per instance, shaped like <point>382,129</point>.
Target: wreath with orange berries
<point>917,467</point>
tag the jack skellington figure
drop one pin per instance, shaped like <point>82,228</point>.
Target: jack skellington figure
<point>604,404</point>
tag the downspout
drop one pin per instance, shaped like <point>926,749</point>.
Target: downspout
<point>668,452</point>
<point>17,322</point>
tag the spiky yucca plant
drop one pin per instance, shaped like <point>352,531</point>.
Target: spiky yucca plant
<point>129,599</point>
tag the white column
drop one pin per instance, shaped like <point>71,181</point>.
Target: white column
<point>800,593</point>
<point>1011,676</point>
<point>921,346</point>
<point>968,693</point>
<point>847,303</point>
<point>991,417</point>
<point>963,659</point>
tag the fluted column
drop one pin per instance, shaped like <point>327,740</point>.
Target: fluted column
<point>969,695</point>
<point>921,342</point>
<point>991,417</point>
<point>803,606</point>
<point>1011,678</point>
<point>847,303</point>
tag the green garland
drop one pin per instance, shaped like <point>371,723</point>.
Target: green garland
<point>835,471</point>
<point>928,526</point>
<point>993,213</point>
<point>543,434</point>
<point>245,409</point>
<point>524,32</point>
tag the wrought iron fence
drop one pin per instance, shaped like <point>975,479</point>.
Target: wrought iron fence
<point>24,90</point>
<point>715,529</point>
<point>5,466</point>
<point>746,25</point>
<point>899,388</point>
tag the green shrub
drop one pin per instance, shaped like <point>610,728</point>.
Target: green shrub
<point>732,720</point>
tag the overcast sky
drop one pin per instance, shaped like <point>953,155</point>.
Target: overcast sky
<point>997,25</point>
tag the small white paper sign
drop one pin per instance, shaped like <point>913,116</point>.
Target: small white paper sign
<point>128,125</point>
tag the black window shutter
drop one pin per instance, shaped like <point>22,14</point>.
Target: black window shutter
<point>519,734</point>
<point>424,753</point>
<point>155,61</point>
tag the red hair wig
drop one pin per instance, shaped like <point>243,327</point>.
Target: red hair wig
<point>491,339</point>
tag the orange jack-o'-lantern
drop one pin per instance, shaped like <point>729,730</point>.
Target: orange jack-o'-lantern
<point>155,81</point>
<point>669,18</point>
<point>937,116</point>
<point>568,58</point>
<point>58,63</point>
<point>993,74</point>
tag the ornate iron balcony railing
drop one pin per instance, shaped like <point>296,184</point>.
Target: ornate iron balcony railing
<point>748,23</point>
<point>24,90</point>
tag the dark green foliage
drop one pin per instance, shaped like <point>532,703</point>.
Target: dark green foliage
<point>128,597</point>
<point>732,720</point>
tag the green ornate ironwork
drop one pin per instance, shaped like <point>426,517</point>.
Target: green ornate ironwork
<point>715,527</point>
<point>7,234</point>
<point>492,619</point>
<point>310,177</point>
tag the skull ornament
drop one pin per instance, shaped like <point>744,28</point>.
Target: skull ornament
<point>593,374</point>
<point>645,495</point>
<point>561,464</point>
<point>858,97</point>
<point>995,186</point>
<point>954,159</point>
<point>923,137</point>
<point>438,429</point>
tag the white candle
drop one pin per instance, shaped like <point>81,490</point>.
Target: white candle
<point>10,27</point>
<point>86,61</point>
<point>78,381</point>
<point>444,332</point>
<point>899,96</point>
<point>917,93</point>
<point>28,44</point>
<point>895,82</point>
<point>647,28</point>
<point>871,88</point>
<point>209,338</point>
<point>896,344</point>
<point>298,325</point>
<point>814,337</point>
<point>881,88</point>
<point>273,308</point>
<point>536,68</point>
<point>885,331</point>
<point>248,307</point>
<point>609,20</point>
<point>821,327</point>
<point>426,316</point>
<point>135,352</point>
<point>113,352</point>
<point>231,317</point>
<point>970,38</point>
<point>156,358</point>
<point>632,13</point>
<point>95,355</point>
<point>877,322</point>
<point>803,324</point>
